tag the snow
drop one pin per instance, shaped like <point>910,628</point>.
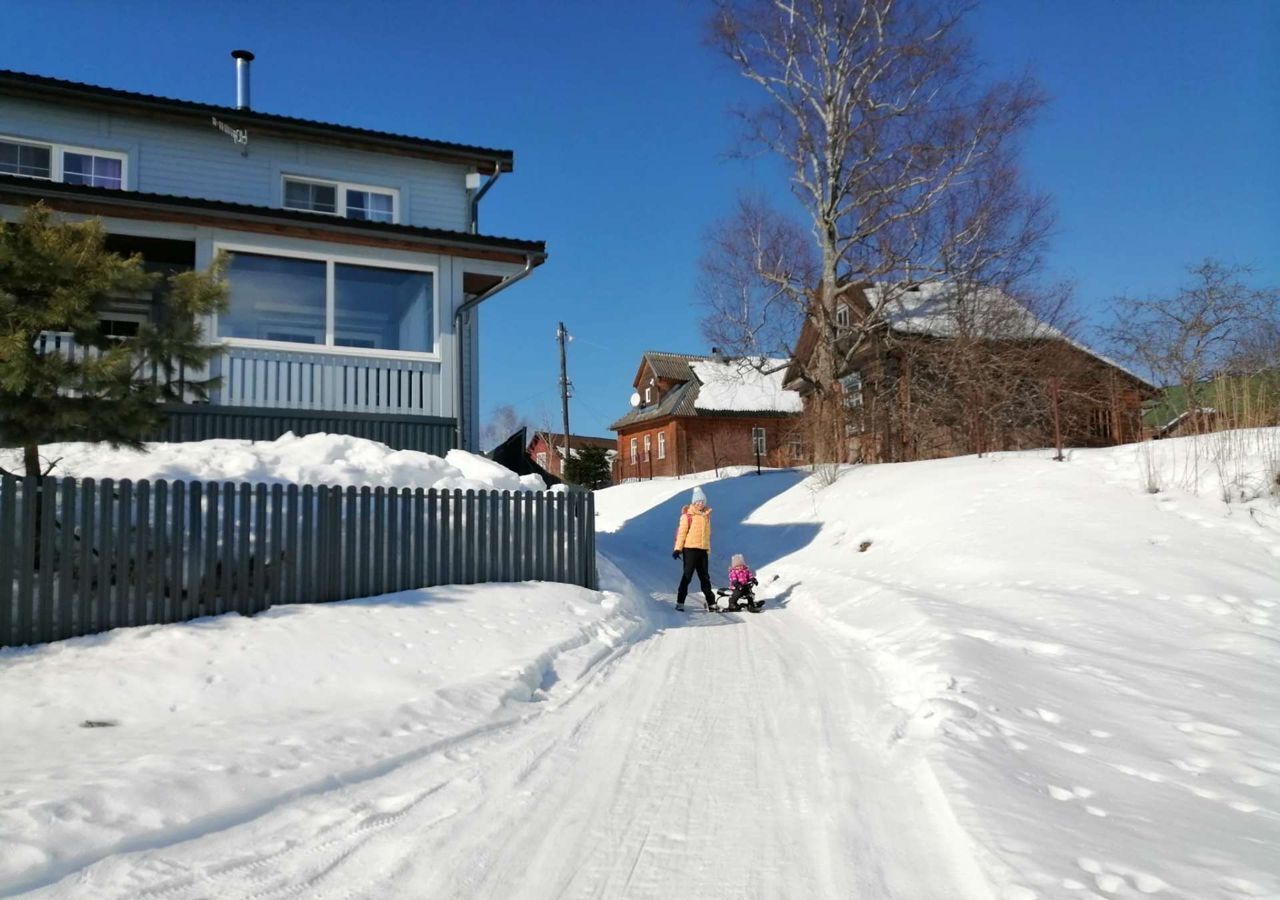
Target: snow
<point>745,386</point>
<point>1040,679</point>
<point>931,309</point>
<point>328,459</point>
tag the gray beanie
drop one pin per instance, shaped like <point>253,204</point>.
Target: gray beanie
<point>698,496</point>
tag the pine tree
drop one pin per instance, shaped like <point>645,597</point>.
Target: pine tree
<point>55,276</point>
<point>590,468</point>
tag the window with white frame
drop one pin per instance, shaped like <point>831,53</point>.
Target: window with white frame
<point>758,445</point>
<point>64,163</point>
<point>646,446</point>
<point>634,451</point>
<point>842,316</point>
<point>542,458</point>
<point>328,303</point>
<point>852,387</point>
<point>797,447</point>
<point>339,198</point>
<point>662,445</point>
<point>648,395</point>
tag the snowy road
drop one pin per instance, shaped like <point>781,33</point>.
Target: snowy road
<point>711,759</point>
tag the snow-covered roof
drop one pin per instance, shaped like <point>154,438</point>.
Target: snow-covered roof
<point>934,309</point>
<point>744,385</point>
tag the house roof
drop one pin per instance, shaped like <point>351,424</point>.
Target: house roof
<point>39,86</point>
<point>61,195</point>
<point>713,389</point>
<point>929,310</point>
<point>580,440</point>
<point>671,366</point>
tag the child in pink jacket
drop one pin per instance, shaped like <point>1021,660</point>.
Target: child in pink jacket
<point>742,581</point>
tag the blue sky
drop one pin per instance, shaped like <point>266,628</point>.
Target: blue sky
<point>1161,145</point>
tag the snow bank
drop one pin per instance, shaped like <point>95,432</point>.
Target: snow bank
<point>1086,667</point>
<point>328,459</point>
<point>740,386</point>
<point>210,724</point>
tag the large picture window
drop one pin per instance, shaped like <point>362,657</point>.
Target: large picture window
<point>381,309</point>
<point>327,303</point>
<point>56,162</point>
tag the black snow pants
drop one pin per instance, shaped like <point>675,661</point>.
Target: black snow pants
<point>695,561</point>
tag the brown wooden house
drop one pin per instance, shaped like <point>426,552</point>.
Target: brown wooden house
<point>945,374</point>
<point>698,413</point>
<point>547,449</point>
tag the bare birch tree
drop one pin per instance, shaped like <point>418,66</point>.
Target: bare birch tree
<point>900,160</point>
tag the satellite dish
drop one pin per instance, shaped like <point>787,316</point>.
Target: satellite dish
<point>635,398</point>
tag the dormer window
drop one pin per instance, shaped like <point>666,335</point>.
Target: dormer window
<point>842,316</point>
<point>339,198</point>
<point>58,162</point>
<point>648,396</point>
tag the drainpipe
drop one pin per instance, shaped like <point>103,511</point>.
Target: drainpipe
<point>465,310</point>
<point>478,194</point>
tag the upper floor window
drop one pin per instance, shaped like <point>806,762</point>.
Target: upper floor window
<point>338,198</point>
<point>842,316</point>
<point>57,162</point>
<point>852,385</point>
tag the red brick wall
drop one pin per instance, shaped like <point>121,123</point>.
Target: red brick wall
<point>701,444</point>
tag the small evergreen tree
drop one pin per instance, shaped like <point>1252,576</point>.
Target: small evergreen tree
<point>55,276</point>
<point>590,468</point>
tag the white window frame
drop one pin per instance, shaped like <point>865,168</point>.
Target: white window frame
<point>648,395</point>
<point>56,164</point>
<point>852,400</point>
<point>842,315</point>
<point>340,201</point>
<point>635,445</point>
<point>797,446</point>
<point>662,445</point>
<point>542,458</point>
<point>648,446</point>
<point>759,440</point>
<point>328,347</point>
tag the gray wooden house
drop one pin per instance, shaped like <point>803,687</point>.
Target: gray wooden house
<point>356,261</point>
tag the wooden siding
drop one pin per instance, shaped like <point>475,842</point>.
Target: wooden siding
<point>191,161</point>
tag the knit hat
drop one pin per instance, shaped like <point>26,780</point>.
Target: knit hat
<point>698,496</point>
<point>738,560</point>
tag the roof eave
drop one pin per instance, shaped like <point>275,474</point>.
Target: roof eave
<point>59,194</point>
<point>39,86</point>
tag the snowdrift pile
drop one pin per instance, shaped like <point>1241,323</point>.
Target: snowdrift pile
<point>1084,653</point>
<point>317,459</point>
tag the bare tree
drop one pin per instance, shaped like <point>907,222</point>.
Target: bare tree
<point>900,161</point>
<point>1212,321</point>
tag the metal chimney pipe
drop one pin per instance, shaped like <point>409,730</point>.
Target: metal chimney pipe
<point>242,58</point>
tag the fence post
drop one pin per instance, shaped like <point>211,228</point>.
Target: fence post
<point>244,522</point>
<point>124,562</point>
<point>9,560</point>
<point>180,546</point>
<point>66,557</point>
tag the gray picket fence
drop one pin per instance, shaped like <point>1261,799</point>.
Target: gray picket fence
<point>81,557</point>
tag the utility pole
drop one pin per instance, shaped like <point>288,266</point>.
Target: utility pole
<point>565,388</point>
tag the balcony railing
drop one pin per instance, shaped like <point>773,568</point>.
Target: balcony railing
<point>289,379</point>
